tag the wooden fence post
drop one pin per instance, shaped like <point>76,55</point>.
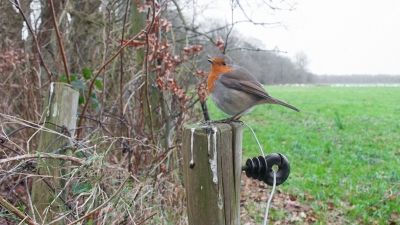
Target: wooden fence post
<point>212,157</point>
<point>59,110</point>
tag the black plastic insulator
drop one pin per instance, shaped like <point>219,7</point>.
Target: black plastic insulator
<point>260,168</point>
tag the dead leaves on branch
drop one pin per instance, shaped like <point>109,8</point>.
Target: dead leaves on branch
<point>162,62</point>
<point>202,92</point>
<point>220,44</point>
<point>146,6</point>
<point>13,58</point>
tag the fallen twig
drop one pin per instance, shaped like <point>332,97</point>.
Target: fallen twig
<point>43,155</point>
<point>16,211</point>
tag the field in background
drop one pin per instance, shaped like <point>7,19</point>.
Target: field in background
<point>344,149</point>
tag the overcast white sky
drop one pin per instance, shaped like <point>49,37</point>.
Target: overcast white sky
<point>339,36</point>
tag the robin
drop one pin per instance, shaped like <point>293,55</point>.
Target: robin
<point>235,90</point>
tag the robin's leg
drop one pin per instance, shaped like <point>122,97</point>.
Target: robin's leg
<point>234,118</point>
<point>237,116</point>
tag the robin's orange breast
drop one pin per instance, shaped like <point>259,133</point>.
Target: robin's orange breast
<point>216,71</point>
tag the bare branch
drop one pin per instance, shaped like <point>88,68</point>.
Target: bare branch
<point>104,65</point>
<point>146,71</point>
<point>16,211</point>
<point>147,218</point>
<point>17,5</point>
<point>254,50</point>
<point>60,43</point>
<point>252,21</point>
<point>43,155</point>
<point>121,78</point>
<point>180,14</point>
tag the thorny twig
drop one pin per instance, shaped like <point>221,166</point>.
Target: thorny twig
<point>33,125</point>
<point>146,69</point>
<point>146,85</point>
<point>147,218</point>
<point>2,140</point>
<point>121,78</point>
<point>60,43</point>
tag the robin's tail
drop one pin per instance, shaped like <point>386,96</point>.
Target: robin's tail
<point>279,102</point>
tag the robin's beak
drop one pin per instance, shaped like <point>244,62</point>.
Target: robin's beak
<point>211,61</point>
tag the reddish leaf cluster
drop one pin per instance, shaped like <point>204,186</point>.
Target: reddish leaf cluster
<point>202,73</point>
<point>167,65</point>
<point>147,5</point>
<point>12,58</point>
<point>194,49</point>
<point>160,60</point>
<point>171,84</point>
<point>162,24</point>
<point>165,25</point>
<point>202,92</point>
<point>220,43</point>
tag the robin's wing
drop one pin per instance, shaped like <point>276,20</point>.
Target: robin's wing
<point>242,80</point>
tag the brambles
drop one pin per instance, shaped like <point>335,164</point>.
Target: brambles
<point>129,121</point>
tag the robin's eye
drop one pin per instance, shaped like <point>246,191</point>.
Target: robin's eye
<point>224,63</point>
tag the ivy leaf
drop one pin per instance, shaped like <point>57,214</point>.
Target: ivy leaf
<point>78,84</point>
<point>98,83</point>
<point>81,99</point>
<point>95,101</point>
<point>80,155</point>
<point>87,74</point>
<point>63,78</point>
<point>81,188</point>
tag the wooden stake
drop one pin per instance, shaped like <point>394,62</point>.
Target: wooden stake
<point>60,109</point>
<point>212,155</point>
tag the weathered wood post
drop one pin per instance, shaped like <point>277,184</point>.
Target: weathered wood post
<point>212,157</point>
<point>60,109</point>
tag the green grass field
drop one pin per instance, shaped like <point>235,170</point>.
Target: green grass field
<point>344,149</point>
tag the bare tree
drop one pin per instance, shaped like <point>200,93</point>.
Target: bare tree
<point>301,60</point>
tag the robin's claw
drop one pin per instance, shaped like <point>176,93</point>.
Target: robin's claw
<point>228,120</point>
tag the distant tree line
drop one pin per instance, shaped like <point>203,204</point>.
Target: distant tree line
<point>357,79</point>
<point>272,67</point>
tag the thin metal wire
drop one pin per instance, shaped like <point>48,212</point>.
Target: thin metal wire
<point>270,199</point>
<point>274,183</point>
<point>254,134</point>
